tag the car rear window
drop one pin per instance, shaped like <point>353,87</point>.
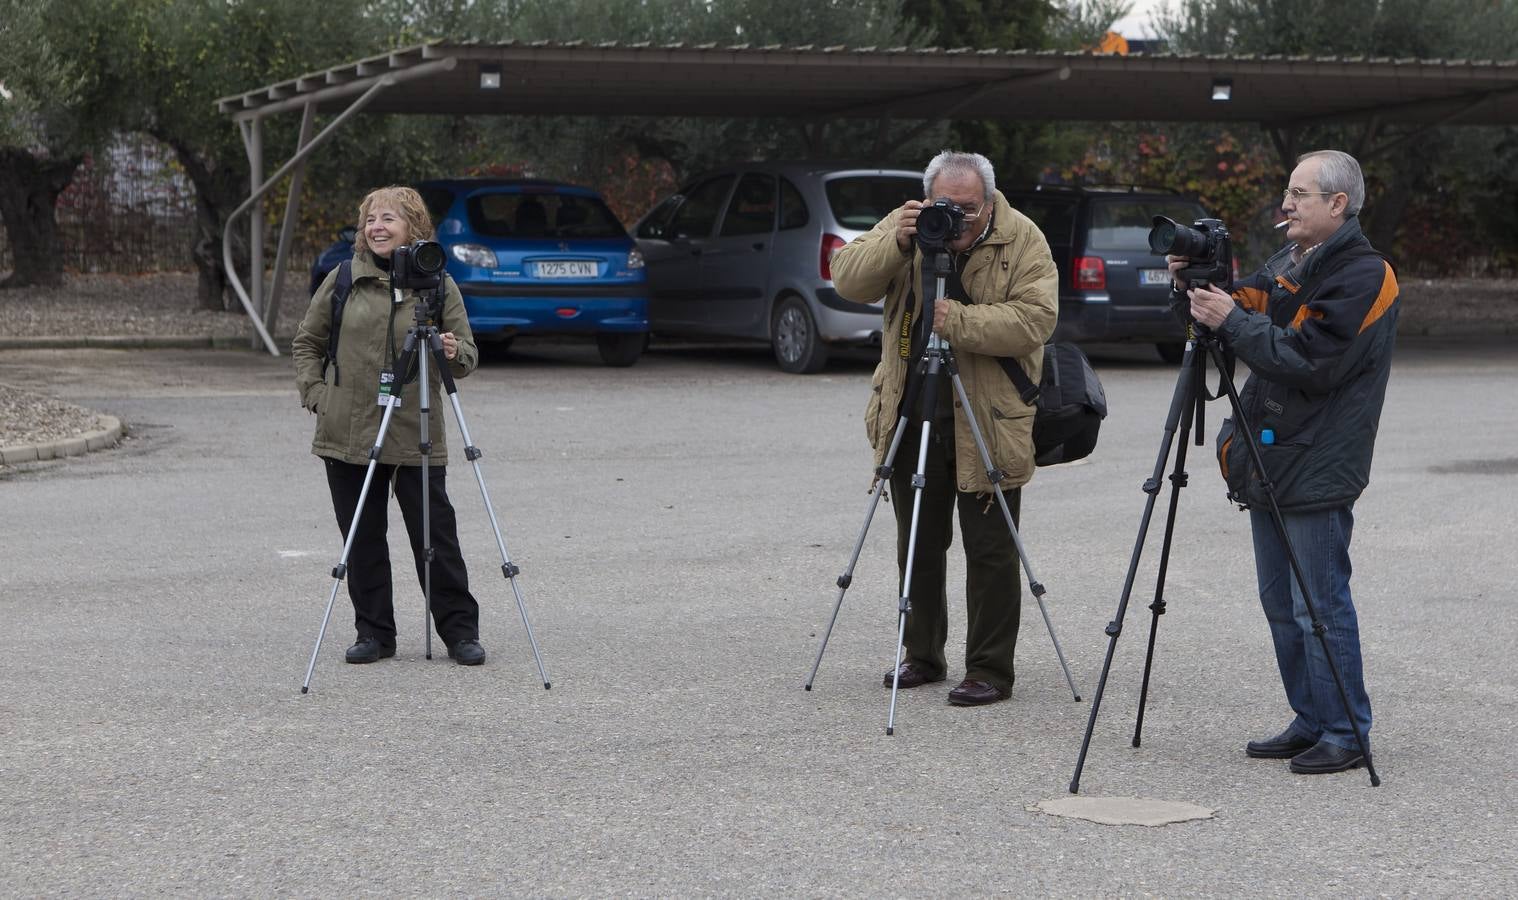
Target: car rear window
<point>859,201</point>
<point>1054,216</point>
<point>541,215</point>
<point>1124,224</point>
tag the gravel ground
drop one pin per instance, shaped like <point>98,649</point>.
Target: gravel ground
<point>27,417</point>
<point>164,304</point>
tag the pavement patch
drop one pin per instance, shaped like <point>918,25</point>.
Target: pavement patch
<point>1124,810</point>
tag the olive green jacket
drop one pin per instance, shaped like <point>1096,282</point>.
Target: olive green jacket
<point>1014,292</point>
<point>345,401</point>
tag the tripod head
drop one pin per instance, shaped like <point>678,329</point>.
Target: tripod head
<point>429,307</point>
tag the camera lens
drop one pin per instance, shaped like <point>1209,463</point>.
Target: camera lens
<point>1169,237</point>
<point>428,257</point>
<point>933,225</point>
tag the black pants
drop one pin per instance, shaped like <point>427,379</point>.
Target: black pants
<point>455,613</point>
<point>993,589</point>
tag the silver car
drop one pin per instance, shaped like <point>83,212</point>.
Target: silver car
<point>745,252</point>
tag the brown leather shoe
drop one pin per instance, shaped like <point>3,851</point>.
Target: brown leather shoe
<point>911,676</point>
<point>976,693</point>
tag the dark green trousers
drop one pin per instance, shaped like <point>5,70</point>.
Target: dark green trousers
<point>993,587</point>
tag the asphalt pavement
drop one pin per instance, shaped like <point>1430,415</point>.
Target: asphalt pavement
<point>679,526</point>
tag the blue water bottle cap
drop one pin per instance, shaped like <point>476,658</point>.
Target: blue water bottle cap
<point>1267,436</point>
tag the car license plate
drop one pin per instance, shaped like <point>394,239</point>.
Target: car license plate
<point>566,268</point>
<point>1154,276</point>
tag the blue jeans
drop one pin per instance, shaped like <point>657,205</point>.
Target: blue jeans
<point>1321,542</point>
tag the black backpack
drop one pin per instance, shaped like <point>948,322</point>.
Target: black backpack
<point>340,291</point>
<point>1071,403</point>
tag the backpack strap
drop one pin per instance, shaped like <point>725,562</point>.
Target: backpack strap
<point>340,291</point>
<point>1026,389</point>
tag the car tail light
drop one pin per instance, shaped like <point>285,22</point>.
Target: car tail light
<point>477,255</point>
<point>634,259</point>
<point>830,245</point>
<point>1090,274</point>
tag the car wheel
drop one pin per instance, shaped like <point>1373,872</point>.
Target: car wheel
<point>1171,351</point>
<point>798,347</point>
<point>621,349</point>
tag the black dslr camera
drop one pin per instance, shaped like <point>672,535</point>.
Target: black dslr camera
<point>940,224</point>
<point>1205,244</point>
<point>418,266</point>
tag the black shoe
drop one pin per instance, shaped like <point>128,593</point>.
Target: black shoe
<point>911,676</point>
<point>1283,746</point>
<point>467,653</point>
<point>368,650</point>
<point>1324,758</point>
<point>976,693</point>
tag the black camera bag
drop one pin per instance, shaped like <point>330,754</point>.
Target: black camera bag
<point>1070,399</point>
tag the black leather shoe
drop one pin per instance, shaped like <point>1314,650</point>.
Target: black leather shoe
<point>911,676</point>
<point>467,653</point>
<point>1283,746</point>
<point>368,650</point>
<point>976,693</point>
<point>1324,758</point>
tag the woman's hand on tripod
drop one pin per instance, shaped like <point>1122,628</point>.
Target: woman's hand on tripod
<point>450,345</point>
<point>1209,305</point>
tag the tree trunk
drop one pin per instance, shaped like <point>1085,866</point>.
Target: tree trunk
<point>218,190</point>
<point>29,189</point>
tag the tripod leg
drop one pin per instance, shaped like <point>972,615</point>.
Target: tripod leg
<point>424,444</point>
<point>1178,479</point>
<point>341,569</point>
<point>882,475</point>
<point>995,475</point>
<point>508,568</point>
<point>1181,399</point>
<point>919,481</point>
<point>1246,429</point>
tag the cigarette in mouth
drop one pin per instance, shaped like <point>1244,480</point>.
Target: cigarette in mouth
<point>1281,224</point>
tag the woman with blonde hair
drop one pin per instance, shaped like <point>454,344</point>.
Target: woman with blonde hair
<point>343,394</point>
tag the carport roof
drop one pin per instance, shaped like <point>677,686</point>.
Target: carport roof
<point>578,78</point>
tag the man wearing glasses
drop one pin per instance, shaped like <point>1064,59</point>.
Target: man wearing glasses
<point>1316,327</point>
<point>1001,301</point>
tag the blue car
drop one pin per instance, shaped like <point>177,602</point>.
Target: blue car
<point>534,257</point>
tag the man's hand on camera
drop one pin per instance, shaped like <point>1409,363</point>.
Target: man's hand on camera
<point>1209,305</point>
<point>450,345</point>
<point>906,225</point>
<point>940,313</point>
<point>1176,263</point>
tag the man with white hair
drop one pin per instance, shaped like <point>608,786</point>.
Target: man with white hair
<point>1001,303</point>
<point>1316,326</point>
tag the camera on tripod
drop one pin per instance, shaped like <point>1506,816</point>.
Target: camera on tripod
<point>940,224</point>
<point>1205,244</point>
<point>418,266</point>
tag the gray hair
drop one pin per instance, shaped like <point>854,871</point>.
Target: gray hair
<point>1339,173</point>
<point>959,163</point>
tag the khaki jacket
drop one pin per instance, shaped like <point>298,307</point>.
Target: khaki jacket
<point>348,413</point>
<point>1014,291</point>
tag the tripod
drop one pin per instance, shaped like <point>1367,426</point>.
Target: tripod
<point>1189,398</point>
<point>424,333</point>
<point>936,358</point>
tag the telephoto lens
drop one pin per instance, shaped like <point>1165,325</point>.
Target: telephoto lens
<point>1169,237</point>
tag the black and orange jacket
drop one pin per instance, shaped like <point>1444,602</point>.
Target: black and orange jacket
<point>1317,336</point>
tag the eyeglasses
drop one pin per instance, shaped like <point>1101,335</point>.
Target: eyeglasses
<point>1296,194</point>
<point>975,214</point>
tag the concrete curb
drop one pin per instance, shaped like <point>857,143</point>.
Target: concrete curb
<point>108,432</point>
<point>138,342</point>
